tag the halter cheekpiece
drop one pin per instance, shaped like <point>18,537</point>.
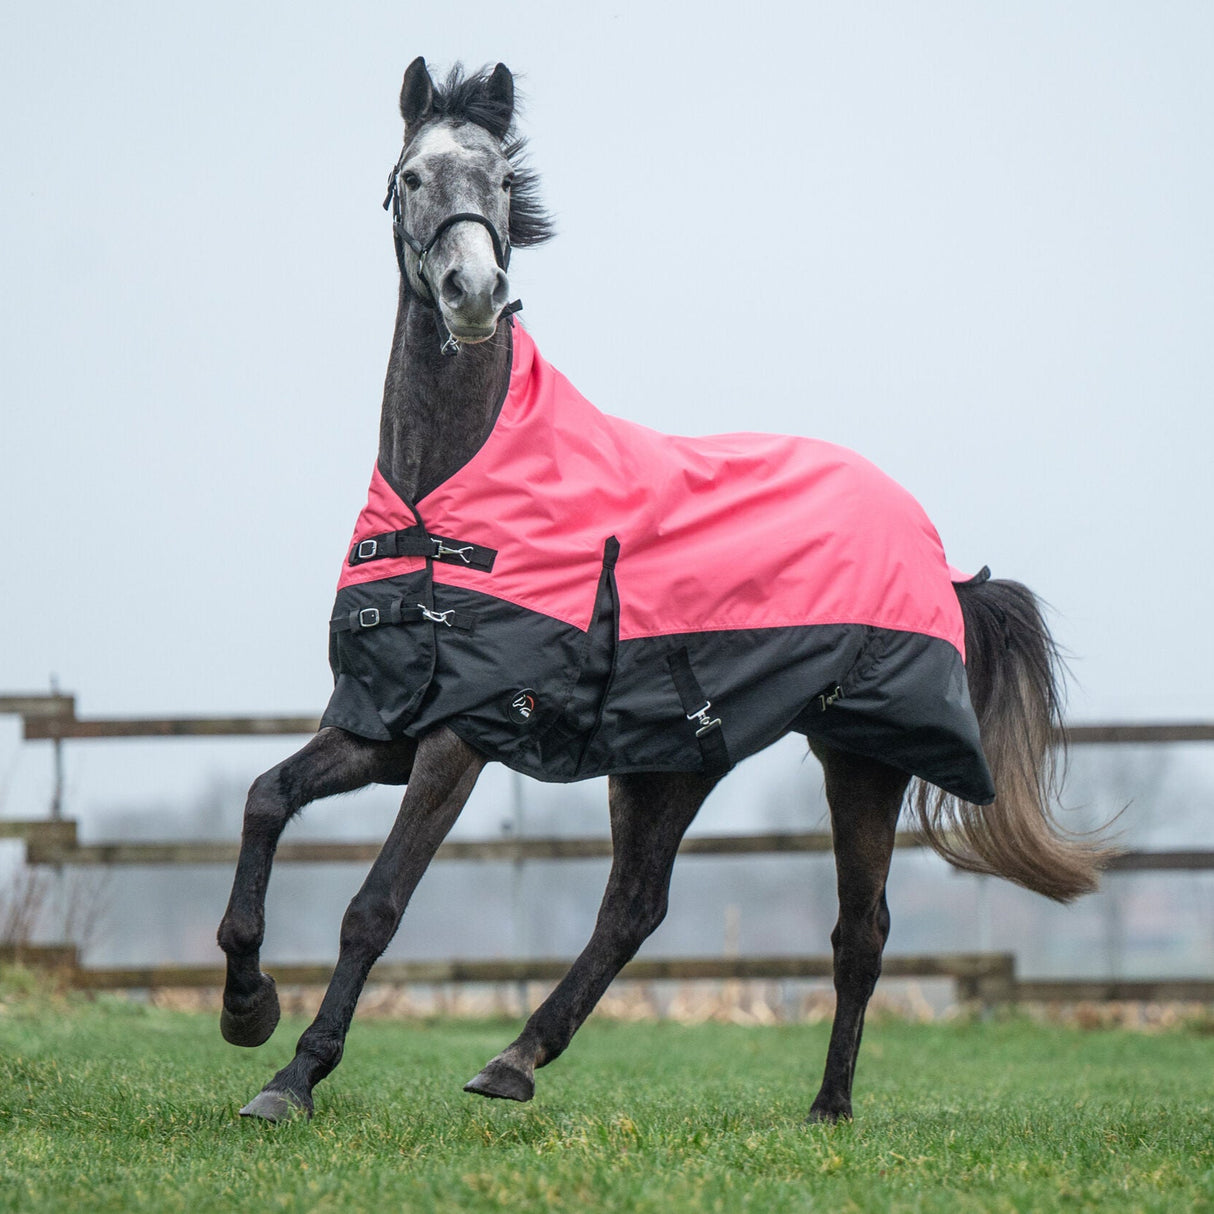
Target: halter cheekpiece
<point>401,236</point>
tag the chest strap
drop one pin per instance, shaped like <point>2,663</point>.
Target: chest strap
<point>400,612</point>
<point>697,707</point>
<point>416,541</point>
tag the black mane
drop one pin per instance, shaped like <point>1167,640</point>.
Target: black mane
<point>466,98</point>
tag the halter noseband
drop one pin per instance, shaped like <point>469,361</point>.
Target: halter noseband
<point>401,236</point>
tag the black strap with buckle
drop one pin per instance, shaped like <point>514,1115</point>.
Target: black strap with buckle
<point>416,541</point>
<point>698,709</point>
<point>400,612</point>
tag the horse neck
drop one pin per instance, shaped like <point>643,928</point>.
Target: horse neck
<point>437,409</point>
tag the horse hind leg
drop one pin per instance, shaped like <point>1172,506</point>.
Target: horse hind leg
<point>865,798</point>
<point>332,762</point>
<point>444,773</point>
<point>649,814</point>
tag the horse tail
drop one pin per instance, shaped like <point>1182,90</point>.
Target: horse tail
<point>1015,684</point>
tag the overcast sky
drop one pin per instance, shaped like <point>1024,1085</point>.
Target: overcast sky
<point>972,241</point>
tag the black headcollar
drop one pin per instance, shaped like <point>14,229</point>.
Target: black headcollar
<point>401,237</point>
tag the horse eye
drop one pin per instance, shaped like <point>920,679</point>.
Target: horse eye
<point>411,180</point>
<point>507,181</point>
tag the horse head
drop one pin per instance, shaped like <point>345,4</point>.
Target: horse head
<point>460,197</point>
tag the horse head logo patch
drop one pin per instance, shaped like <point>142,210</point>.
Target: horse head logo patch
<point>522,707</point>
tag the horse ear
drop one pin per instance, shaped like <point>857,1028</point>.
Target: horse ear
<point>500,90</point>
<point>416,93</point>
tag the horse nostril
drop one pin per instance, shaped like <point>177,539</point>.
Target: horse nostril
<point>501,290</point>
<point>452,289</point>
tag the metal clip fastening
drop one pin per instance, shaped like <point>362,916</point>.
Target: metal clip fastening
<point>367,549</point>
<point>700,717</point>
<point>368,617</point>
<point>436,617</point>
<point>441,550</point>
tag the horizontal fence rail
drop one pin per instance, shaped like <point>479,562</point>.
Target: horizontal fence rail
<point>985,978</point>
<point>56,842</point>
<point>1115,990</point>
<point>989,977</point>
<point>40,728</point>
<point>53,718</point>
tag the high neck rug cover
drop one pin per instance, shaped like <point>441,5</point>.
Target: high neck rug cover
<point>587,596</point>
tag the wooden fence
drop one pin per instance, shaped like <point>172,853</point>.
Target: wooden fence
<point>985,976</point>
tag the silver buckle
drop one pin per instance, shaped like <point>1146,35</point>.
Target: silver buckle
<point>368,617</point>
<point>700,717</point>
<point>367,549</point>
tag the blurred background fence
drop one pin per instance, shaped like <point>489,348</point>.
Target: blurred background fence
<point>49,922</point>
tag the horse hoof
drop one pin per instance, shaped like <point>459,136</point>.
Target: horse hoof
<point>503,1081</point>
<point>254,1019</point>
<point>822,1115</point>
<point>277,1106</point>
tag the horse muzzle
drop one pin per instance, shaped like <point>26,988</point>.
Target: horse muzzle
<point>471,298</point>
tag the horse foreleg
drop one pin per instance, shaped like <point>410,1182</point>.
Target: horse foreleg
<point>649,814</point>
<point>444,772</point>
<point>332,762</point>
<point>865,798</point>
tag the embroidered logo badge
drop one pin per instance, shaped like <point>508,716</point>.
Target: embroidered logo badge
<point>522,707</point>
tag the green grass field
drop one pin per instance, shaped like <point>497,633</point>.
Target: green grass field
<point>110,1106</point>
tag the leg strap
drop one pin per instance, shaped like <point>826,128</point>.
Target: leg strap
<point>698,709</point>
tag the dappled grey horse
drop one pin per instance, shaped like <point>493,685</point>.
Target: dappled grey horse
<point>431,622</point>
